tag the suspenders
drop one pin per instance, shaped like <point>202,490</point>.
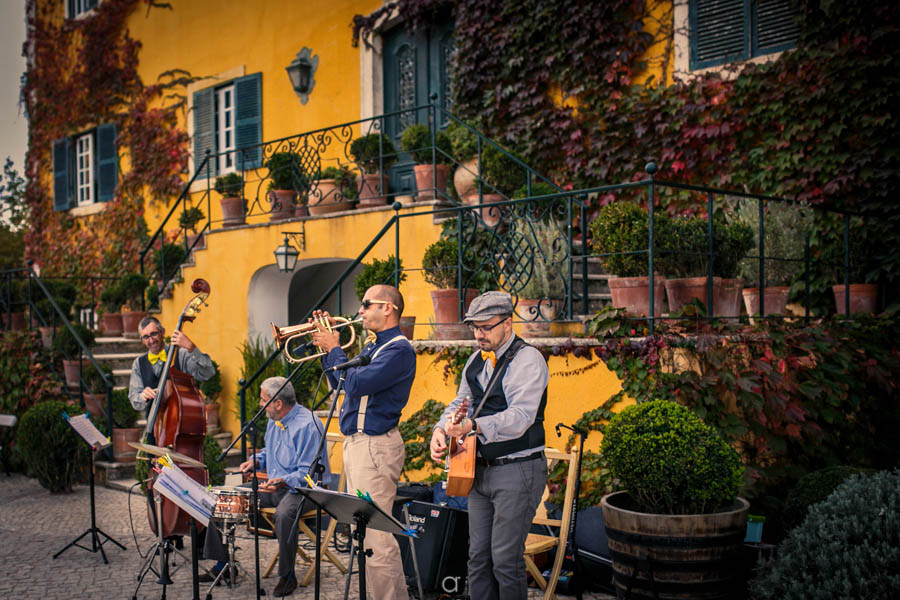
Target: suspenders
<point>364,400</point>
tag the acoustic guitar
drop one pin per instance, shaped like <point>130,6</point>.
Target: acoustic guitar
<point>461,457</point>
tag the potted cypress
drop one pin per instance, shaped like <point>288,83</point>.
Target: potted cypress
<point>619,235</point>
<point>382,271</point>
<point>286,177</point>
<point>375,154</point>
<point>431,171</point>
<point>677,527</point>
<point>65,345</point>
<point>133,286</point>
<point>229,186</point>
<point>439,266</point>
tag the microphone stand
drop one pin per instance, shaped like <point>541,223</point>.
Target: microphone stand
<point>578,568</point>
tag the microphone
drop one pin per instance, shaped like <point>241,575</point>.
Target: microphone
<point>359,361</point>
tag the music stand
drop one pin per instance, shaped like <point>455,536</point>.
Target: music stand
<point>96,441</point>
<point>363,513</point>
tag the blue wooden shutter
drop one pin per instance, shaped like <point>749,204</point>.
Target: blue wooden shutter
<point>719,31</point>
<point>776,26</point>
<point>205,127</point>
<point>107,162</point>
<point>248,120</point>
<point>61,174</point>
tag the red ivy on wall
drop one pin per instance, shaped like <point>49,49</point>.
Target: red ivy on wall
<point>83,73</point>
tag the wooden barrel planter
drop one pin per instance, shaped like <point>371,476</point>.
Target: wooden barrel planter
<point>674,557</point>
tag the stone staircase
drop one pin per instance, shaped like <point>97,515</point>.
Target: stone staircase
<point>597,288</point>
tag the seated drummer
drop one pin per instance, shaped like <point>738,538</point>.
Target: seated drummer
<point>292,438</point>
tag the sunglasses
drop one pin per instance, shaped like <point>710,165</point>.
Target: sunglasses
<point>484,328</point>
<point>152,334</point>
<point>367,304</point>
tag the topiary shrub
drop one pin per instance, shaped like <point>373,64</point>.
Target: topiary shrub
<point>229,185</point>
<point>502,174</point>
<point>54,454</point>
<point>812,489</point>
<point>624,227</point>
<point>378,272</point>
<point>373,151</point>
<point>66,344</point>
<point>167,260</point>
<point>669,460</point>
<point>416,140</point>
<point>132,289</point>
<point>847,546</point>
<point>111,298</point>
<point>439,263</point>
<point>212,387</point>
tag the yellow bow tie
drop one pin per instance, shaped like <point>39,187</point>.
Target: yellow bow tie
<point>370,337</point>
<point>489,355</point>
<point>155,358</point>
<point>280,424</point>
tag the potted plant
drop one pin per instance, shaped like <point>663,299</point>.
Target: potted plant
<point>732,242</point>
<point>861,295</point>
<point>211,388</point>
<point>95,390</point>
<point>14,319</point>
<point>111,299</point>
<point>334,191</point>
<point>439,266</point>
<point>785,228</point>
<point>432,157</point>
<point>133,286</point>
<point>168,259</point>
<point>464,145</point>
<point>375,154</point>
<point>382,271</point>
<point>230,186</point>
<point>68,347</point>
<point>684,258</point>
<point>125,428</point>
<point>623,227</point>
<point>678,525</point>
<point>64,294</point>
<point>285,178</point>
<point>542,286</point>
<point>188,221</point>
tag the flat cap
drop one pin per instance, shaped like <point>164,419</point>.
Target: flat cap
<point>487,305</point>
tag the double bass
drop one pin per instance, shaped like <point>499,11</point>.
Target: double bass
<point>177,421</point>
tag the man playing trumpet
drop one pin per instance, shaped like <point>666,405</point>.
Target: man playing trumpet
<point>374,396</point>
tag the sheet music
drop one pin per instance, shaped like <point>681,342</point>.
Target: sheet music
<point>83,426</point>
<point>189,495</point>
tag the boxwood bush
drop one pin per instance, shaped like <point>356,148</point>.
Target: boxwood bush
<point>377,272</point>
<point>624,227</point>
<point>812,489</point>
<point>670,461</point>
<point>54,454</point>
<point>847,546</point>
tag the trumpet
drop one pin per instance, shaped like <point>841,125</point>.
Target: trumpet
<point>285,335</point>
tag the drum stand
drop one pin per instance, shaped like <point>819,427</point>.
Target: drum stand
<point>229,526</point>
<point>162,548</point>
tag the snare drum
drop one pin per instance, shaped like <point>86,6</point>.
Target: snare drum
<point>232,503</point>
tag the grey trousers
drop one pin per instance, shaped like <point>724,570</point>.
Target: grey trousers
<point>286,506</point>
<point>502,504</point>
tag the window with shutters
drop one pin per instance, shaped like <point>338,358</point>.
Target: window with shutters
<point>76,8</point>
<point>228,126</point>
<point>85,168</point>
<point>724,31</point>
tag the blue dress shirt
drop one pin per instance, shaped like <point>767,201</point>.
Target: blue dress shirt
<point>290,451</point>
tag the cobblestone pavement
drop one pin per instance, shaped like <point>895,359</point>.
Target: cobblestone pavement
<point>35,524</point>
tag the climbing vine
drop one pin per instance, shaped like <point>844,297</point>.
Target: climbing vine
<point>83,73</point>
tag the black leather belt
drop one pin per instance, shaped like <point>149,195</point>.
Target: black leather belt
<point>496,462</point>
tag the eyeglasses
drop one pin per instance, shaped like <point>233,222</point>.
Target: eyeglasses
<point>367,304</point>
<point>484,328</point>
<point>152,334</point>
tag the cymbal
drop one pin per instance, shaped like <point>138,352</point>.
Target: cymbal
<point>158,451</point>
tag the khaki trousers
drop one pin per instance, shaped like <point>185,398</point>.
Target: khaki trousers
<point>373,464</point>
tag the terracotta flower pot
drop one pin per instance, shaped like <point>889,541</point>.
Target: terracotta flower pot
<point>536,316</point>
<point>283,203</point>
<point>121,437</point>
<point>729,302</point>
<point>15,321</point>
<point>863,298</point>
<point>111,324</point>
<point>431,181</point>
<point>232,211</point>
<point>446,316</point>
<point>465,178</point>
<point>46,336</point>
<point>327,198</point>
<point>370,190</point>
<point>775,300</point>
<point>633,294</point>
<point>130,322</point>
<point>196,241</point>
<point>682,290</point>
<point>407,326</point>
<point>72,371</point>
<point>212,417</point>
<point>96,405</point>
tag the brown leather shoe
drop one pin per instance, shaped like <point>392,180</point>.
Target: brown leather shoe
<point>285,587</point>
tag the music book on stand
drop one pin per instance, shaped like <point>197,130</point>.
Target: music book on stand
<point>83,426</point>
<point>187,494</point>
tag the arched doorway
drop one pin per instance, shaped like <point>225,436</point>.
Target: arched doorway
<point>286,298</point>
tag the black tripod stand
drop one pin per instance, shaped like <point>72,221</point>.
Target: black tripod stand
<point>94,531</point>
